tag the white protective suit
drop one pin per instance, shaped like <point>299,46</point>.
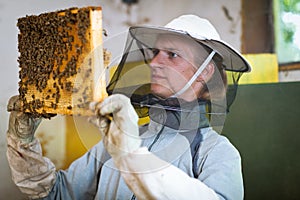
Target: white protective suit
<point>160,164</point>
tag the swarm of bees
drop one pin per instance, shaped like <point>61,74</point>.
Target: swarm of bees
<point>55,69</point>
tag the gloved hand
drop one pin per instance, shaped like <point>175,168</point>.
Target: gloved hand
<point>120,132</point>
<point>22,125</point>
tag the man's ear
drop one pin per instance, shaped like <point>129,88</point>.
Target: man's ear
<point>207,73</point>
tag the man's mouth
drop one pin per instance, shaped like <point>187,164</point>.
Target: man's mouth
<point>155,77</point>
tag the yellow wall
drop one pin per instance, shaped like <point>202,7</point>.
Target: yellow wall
<point>81,135</point>
<point>264,69</point>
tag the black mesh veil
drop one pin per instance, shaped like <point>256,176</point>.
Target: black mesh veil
<point>133,74</point>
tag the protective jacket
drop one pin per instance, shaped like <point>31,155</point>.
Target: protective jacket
<point>202,154</point>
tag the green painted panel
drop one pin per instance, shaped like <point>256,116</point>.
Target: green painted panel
<point>264,124</point>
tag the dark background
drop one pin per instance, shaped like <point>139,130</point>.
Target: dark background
<point>264,124</point>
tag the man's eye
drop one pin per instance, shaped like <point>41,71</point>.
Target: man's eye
<point>172,54</point>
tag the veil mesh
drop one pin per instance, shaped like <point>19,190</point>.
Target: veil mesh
<point>133,74</point>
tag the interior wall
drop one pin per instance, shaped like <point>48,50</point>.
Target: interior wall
<point>257,27</point>
<point>289,76</point>
<point>258,34</point>
<point>267,136</point>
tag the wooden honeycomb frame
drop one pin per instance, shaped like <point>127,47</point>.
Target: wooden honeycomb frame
<point>62,61</point>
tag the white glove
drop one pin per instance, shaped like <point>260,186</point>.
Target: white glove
<point>149,177</point>
<point>120,132</point>
<point>146,175</point>
<point>22,125</point>
<point>31,172</point>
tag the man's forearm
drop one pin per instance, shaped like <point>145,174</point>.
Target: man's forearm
<point>149,177</point>
<point>31,172</point>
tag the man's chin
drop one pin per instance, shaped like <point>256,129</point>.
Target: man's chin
<point>160,91</point>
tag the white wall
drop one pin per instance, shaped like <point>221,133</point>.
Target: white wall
<point>289,76</point>
<point>115,20</point>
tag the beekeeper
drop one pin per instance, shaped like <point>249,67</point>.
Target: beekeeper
<point>183,68</point>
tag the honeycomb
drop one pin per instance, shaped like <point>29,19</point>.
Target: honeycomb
<point>61,61</point>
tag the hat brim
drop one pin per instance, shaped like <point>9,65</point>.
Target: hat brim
<point>232,59</point>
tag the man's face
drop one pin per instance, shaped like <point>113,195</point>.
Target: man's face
<point>173,65</point>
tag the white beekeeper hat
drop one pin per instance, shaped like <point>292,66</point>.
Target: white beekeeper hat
<point>202,31</point>
<point>132,76</point>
